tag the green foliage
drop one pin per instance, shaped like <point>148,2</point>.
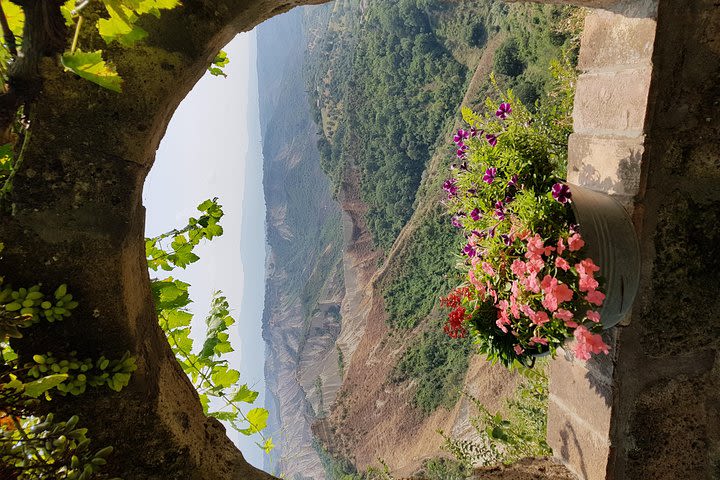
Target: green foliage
<point>39,447</point>
<point>216,383</point>
<point>118,25</point>
<point>506,438</point>
<point>441,468</point>
<point>336,468</point>
<point>91,66</point>
<point>507,59</point>
<point>438,364</point>
<point>218,63</point>
<point>393,82</point>
<point>422,276</point>
<point>180,254</point>
<point>121,24</point>
<point>32,444</point>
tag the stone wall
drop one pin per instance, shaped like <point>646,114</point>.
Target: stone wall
<point>647,131</point>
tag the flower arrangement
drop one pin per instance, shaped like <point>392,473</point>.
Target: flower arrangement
<point>527,282</point>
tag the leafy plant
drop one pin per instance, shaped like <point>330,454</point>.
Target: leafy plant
<point>221,394</point>
<point>528,282</point>
<point>32,444</point>
<point>506,438</point>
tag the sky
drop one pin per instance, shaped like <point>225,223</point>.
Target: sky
<point>212,149</point>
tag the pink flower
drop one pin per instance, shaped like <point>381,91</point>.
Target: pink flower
<point>595,297</point>
<point>594,316</point>
<point>476,283</point>
<point>540,340</point>
<point>560,246</point>
<point>531,283</point>
<point>536,247</point>
<point>487,268</point>
<point>514,309</point>
<point>475,260</point>
<point>527,310</point>
<point>491,293</point>
<point>588,343</point>
<point>587,283</point>
<point>562,263</point>
<point>503,318</point>
<point>575,242</point>
<point>535,265</point>
<point>540,318</point>
<point>566,316</point>
<point>518,267</point>
<point>554,293</point>
<point>587,266</point>
<point>518,349</point>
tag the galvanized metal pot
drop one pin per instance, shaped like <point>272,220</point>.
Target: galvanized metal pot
<point>611,241</point>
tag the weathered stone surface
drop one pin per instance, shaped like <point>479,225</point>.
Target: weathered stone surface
<point>606,164</point>
<point>612,103</point>
<point>583,391</point>
<point>583,451</point>
<point>611,40</point>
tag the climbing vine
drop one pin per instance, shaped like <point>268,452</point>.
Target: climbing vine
<point>221,393</point>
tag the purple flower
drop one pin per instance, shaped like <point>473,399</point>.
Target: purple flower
<point>491,232</point>
<point>456,222</point>
<point>460,136</point>
<point>504,110</point>
<point>450,186</point>
<point>492,139</point>
<point>478,234</point>
<point>508,199</point>
<point>471,192</point>
<point>469,250</point>
<point>561,192</point>
<point>474,132</point>
<point>499,212</point>
<point>506,239</point>
<point>463,166</point>
<point>513,181</point>
<point>489,175</point>
<point>461,152</point>
<point>475,214</point>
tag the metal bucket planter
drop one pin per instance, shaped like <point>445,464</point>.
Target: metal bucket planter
<point>611,242</point>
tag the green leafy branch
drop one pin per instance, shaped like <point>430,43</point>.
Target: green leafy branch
<point>208,368</point>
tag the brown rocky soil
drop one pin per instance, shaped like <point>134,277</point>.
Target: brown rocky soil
<point>525,469</point>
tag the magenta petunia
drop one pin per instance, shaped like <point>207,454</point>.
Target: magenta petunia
<point>490,174</point>
<point>503,111</point>
<point>491,139</point>
<point>561,192</point>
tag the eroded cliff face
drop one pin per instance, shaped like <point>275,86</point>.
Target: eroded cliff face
<point>304,287</point>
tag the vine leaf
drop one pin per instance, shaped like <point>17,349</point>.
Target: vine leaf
<point>244,394</point>
<point>257,418</point>
<point>267,446</point>
<point>91,66</point>
<point>220,61</point>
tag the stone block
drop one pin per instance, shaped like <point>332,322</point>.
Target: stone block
<point>585,391</point>
<point>581,449</point>
<point>610,40</point>
<point>612,103</point>
<point>606,164</point>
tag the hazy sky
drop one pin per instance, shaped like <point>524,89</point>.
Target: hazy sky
<point>204,155</point>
